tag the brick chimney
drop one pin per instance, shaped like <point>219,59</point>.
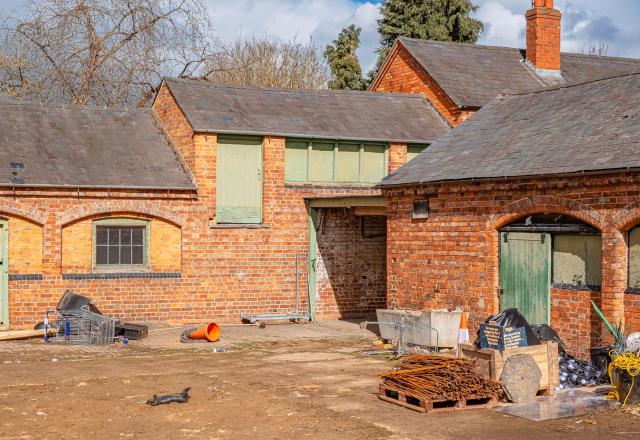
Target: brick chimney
<point>543,37</point>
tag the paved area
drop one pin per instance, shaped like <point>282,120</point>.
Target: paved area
<point>162,338</point>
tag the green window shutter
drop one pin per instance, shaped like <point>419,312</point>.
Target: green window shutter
<point>634,258</point>
<point>321,162</point>
<point>348,163</point>
<point>295,161</point>
<point>239,180</point>
<point>577,259</point>
<point>373,159</point>
<point>414,150</point>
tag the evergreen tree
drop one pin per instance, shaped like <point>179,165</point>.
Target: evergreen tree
<point>346,72</point>
<point>442,20</point>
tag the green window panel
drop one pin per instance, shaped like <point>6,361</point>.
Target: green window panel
<point>374,163</point>
<point>414,150</point>
<point>239,180</point>
<point>577,259</point>
<point>634,258</point>
<point>295,161</point>
<point>321,158</point>
<point>348,163</point>
<point>329,162</point>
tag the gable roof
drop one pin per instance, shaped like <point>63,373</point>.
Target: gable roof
<point>73,146</point>
<point>588,127</point>
<point>364,116</point>
<point>472,74</point>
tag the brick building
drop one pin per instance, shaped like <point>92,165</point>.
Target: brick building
<point>532,203</point>
<point>197,209</point>
<point>458,79</point>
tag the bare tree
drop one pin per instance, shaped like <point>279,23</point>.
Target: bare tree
<point>596,48</point>
<point>109,52</point>
<point>270,62</point>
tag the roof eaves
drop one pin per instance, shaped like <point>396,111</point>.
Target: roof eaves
<point>210,130</point>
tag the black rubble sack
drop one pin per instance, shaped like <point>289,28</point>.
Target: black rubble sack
<point>182,397</point>
<point>601,359</point>
<point>512,318</point>
<point>545,332</point>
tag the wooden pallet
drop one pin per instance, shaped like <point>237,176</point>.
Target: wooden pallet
<point>423,405</point>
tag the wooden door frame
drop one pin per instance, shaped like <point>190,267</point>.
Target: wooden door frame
<point>312,262</point>
<point>4,274</point>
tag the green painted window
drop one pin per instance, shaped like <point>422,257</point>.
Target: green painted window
<point>577,259</point>
<point>634,258</point>
<point>414,150</point>
<point>334,162</point>
<point>239,180</point>
<point>120,244</point>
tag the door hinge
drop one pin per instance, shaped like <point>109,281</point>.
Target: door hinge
<point>500,291</point>
<point>542,238</point>
<point>506,237</point>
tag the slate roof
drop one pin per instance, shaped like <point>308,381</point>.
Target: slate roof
<point>588,127</point>
<point>472,74</point>
<point>365,116</point>
<point>72,146</point>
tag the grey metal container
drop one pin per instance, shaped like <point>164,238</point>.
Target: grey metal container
<point>420,326</point>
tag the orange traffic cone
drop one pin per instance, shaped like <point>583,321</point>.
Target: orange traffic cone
<point>463,336</point>
<point>210,332</point>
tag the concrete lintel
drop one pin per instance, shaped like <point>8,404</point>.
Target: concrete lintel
<point>346,202</point>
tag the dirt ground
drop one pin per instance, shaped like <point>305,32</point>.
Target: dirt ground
<point>317,389</point>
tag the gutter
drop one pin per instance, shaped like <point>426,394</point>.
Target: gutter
<point>104,187</point>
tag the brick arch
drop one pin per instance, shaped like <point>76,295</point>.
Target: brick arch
<point>627,218</point>
<point>542,204</point>
<point>17,209</point>
<point>119,207</point>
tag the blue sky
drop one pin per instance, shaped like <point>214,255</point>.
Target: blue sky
<point>614,22</point>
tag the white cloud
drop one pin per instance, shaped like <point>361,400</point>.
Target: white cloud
<point>501,26</point>
<point>320,20</point>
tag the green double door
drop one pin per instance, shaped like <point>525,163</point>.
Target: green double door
<point>525,274</point>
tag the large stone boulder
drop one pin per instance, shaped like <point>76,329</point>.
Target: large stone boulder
<point>520,378</point>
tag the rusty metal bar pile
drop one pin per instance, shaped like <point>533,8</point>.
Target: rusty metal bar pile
<point>440,378</point>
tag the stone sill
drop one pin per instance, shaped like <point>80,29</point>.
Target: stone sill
<point>577,287</point>
<point>240,226</point>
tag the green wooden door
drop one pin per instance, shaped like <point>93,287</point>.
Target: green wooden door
<point>4,274</point>
<point>525,274</point>
<point>239,180</point>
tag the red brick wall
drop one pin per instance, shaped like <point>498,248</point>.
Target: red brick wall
<point>575,320</point>
<point>632,313</point>
<point>403,74</point>
<point>452,258</point>
<point>223,271</point>
<point>351,274</point>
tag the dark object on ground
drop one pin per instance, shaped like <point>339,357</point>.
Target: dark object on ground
<point>578,373</point>
<point>262,325</point>
<point>438,378</point>
<point>628,390</point>
<point>182,397</point>
<point>601,359</point>
<point>133,332</point>
<point>512,318</point>
<point>72,301</point>
<point>520,378</point>
<point>545,332</point>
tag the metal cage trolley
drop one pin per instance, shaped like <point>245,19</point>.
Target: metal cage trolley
<point>79,327</point>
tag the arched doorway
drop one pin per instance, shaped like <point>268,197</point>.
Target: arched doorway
<point>545,251</point>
